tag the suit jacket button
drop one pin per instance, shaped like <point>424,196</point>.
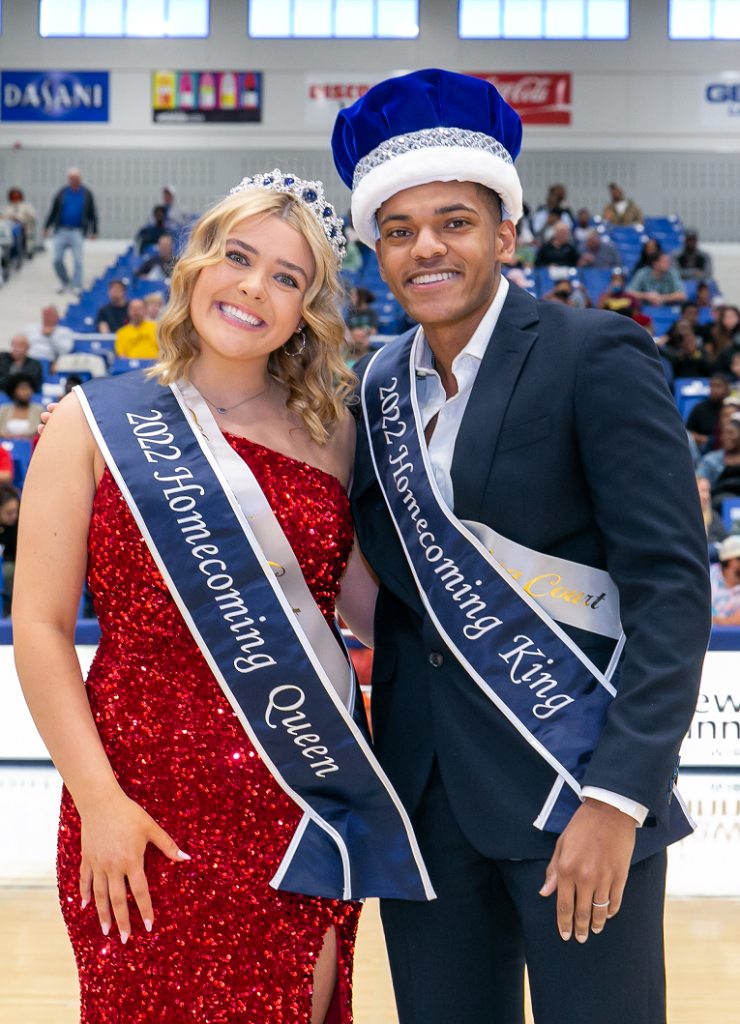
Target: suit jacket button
<point>436,660</point>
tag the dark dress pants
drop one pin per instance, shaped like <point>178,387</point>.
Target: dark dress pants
<point>460,959</point>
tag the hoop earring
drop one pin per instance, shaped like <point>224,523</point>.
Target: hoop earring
<point>298,352</point>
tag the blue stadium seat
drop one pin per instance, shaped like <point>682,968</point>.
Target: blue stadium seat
<point>20,450</point>
<point>689,391</point>
<point>102,346</point>
<point>663,317</point>
<point>730,513</point>
<point>595,281</point>
<point>126,365</point>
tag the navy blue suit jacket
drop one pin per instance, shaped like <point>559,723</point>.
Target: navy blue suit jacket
<point>572,445</point>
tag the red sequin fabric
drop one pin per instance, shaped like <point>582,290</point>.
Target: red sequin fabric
<point>225,947</point>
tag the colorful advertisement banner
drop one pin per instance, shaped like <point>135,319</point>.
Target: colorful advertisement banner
<point>54,96</point>
<point>720,101</point>
<point>195,97</point>
<point>327,94</point>
<point>540,97</point>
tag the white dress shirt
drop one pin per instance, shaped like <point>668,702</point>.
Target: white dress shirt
<point>433,401</point>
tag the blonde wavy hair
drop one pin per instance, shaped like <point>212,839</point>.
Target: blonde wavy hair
<point>317,379</point>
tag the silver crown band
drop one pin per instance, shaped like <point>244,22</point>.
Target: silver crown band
<point>428,138</point>
<point>311,194</point>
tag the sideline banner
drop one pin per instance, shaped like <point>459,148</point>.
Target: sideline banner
<point>54,95</point>
<point>355,839</point>
<point>540,97</point>
<point>197,97</point>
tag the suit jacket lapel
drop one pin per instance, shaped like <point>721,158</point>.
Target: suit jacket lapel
<point>481,425</point>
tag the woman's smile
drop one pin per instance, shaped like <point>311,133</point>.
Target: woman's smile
<point>240,316</point>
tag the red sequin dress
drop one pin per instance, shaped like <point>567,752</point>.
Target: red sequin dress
<point>225,947</point>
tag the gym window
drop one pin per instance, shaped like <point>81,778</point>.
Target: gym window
<point>543,19</point>
<point>152,19</point>
<point>704,19</point>
<point>333,19</point>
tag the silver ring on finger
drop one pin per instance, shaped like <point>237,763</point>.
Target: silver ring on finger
<point>600,906</point>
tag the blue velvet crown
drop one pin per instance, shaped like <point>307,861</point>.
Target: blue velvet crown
<point>431,125</point>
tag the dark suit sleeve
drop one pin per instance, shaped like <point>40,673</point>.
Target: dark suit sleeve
<point>636,459</point>
<point>55,214</point>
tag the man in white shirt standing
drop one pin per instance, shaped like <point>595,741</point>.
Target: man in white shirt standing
<point>550,430</point>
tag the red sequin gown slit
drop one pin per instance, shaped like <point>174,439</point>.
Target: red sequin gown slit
<point>225,946</point>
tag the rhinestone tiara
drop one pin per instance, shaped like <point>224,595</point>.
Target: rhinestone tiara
<point>311,194</point>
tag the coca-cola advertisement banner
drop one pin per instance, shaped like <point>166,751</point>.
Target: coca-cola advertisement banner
<point>541,97</point>
<point>194,97</point>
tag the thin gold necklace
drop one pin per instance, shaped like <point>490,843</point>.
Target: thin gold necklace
<point>223,412</point>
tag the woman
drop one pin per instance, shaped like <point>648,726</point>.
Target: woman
<point>22,417</point>
<point>23,213</point>
<point>649,251</point>
<point>360,313</point>
<point>726,337</point>
<point>722,467</point>
<point>153,753</point>
<point>9,505</point>
<point>725,576</point>
<point>713,524</point>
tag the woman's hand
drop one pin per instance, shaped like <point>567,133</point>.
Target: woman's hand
<point>115,834</point>
<point>46,416</point>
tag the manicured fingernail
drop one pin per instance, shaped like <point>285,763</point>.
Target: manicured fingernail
<point>124,937</point>
<point>597,931</point>
<point>181,855</point>
<point>581,938</point>
<point>106,928</point>
<point>565,936</point>
<point>83,904</point>
<point>147,924</point>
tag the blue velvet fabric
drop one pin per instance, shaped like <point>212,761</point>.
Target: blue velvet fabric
<point>424,99</point>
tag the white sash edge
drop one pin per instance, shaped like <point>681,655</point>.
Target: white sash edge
<point>479,680</point>
<point>269,533</point>
<point>183,609</point>
<point>290,852</point>
<point>548,805</point>
<point>684,808</point>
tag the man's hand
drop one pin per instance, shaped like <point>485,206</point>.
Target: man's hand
<point>655,298</point>
<point>590,866</point>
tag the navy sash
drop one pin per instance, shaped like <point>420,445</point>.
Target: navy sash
<point>355,839</point>
<point>513,650</point>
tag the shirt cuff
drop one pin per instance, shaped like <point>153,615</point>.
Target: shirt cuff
<point>622,803</point>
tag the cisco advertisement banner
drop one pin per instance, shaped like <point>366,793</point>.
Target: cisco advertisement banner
<point>195,97</point>
<point>54,96</point>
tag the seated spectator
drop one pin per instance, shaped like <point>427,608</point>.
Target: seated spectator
<point>159,267</point>
<point>582,228</point>
<point>600,252</point>
<point>153,305</point>
<point>151,233</point>
<point>357,345</point>
<point>726,336</point>
<point>690,312</point>
<point>722,467</point>
<point>704,296</point>
<point>48,340</point>
<point>686,356</point>
<point>544,219</point>
<point>621,210</point>
<point>725,577</point>
<point>735,370</point>
<point>138,339</point>
<point>9,506</point>
<point>7,469</point>
<point>112,316</point>
<point>18,210</point>
<point>570,293</point>
<point>658,284</point>
<point>692,262</point>
<point>560,252</point>
<point>22,417</point>
<point>713,524</point>
<point>174,216</point>
<point>17,360</point>
<point>359,313</point>
<point>617,298</point>
<point>702,421</point>
<point>649,251</point>
<point>525,252</point>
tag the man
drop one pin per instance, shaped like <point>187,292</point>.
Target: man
<point>357,345</point>
<point>550,212</point>
<point>48,340</point>
<point>159,267</point>
<point>112,316</point>
<point>702,421</point>
<point>726,584</point>
<point>17,360</point>
<point>693,263</point>
<point>616,298</point>
<point>174,216</point>
<point>554,428</point>
<point>138,339</point>
<point>72,218</point>
<point>621,210</point>
<point>150,234</point>
<point>599,253</point>
<point>560,252</point>
<point>582,228</point>
<point>659,284</point>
